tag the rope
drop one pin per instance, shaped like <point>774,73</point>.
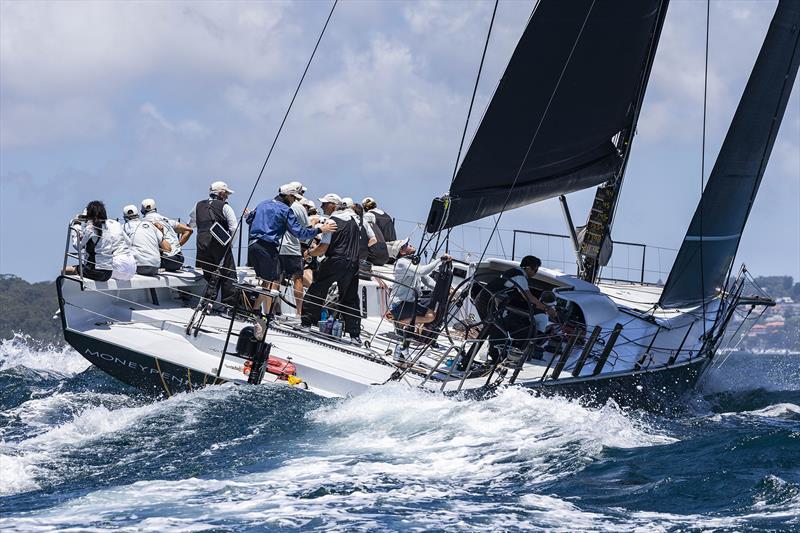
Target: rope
<point>538,128</point>
<point>703,165</point>
<point>278,133</point>
<point>474,92</point>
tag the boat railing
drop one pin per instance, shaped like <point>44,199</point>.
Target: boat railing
<point>641,263</point>
<point>631,261</point>
<point>77,254</point>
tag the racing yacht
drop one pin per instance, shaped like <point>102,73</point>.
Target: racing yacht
<point>562,119</point>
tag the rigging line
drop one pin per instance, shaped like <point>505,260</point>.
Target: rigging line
<point>283,121</point>
<point>703,167</point>
<point>538,127</point>
<point>643,85</point>
<point>229,245</point>
<point>787,80</point>
<point>471,104</point>
<point>474,92</point>
<point>422,244</point>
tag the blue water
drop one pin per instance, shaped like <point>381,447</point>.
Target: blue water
<point>79,450</point>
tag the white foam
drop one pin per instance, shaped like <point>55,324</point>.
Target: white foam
<point>24,351</point>
<point>87,424</point>
<point>416,460</point>
<point>777,410</point>
<point>17,474</point>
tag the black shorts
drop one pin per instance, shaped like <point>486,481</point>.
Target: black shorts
<point>147,270</point>
<point>404,310</point>
<point>89,272</point>
<point>291,265</point>
<point>264,257</point>
<point>172,263</point>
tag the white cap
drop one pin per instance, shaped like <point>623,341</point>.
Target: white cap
<point>148,204</point>
<point>129,211</point>
<point>368,199</point>
<point>306,202</point>
<point>290,189</point>
<point>299,186</point>
<point>394,247</point>
<point>220,186</point>
<point>348,202</point>
<point>331,198</point>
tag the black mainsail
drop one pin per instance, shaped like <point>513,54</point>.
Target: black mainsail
<point>709,248</point>
<point>571,85</point>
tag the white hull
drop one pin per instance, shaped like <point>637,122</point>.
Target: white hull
<point>119,327</point>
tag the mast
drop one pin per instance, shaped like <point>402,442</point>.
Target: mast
<point>601,214</point>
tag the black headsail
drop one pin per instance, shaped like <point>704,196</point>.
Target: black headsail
<point>571,85</point>
<point>710,245</point>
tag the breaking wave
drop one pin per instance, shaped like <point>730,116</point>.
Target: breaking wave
<point>79,451</point>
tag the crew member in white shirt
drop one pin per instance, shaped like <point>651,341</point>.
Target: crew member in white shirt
<point>176,233</point>
<point>147,240</point>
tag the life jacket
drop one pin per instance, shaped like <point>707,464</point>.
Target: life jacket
<point>206,213</point>
<point>385,223</point>
<point>346,240</point>
<point>378,253</point>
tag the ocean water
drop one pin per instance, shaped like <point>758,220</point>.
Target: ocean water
<point>82,452</point>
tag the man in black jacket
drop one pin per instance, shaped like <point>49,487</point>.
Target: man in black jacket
<point>341,249</point>
<point>213,219</point>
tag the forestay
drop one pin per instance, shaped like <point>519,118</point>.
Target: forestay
<point>710,245</point>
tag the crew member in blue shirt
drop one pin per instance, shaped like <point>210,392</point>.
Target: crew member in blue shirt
<point>269,221</point>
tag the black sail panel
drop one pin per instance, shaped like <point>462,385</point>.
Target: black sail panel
<point>569,87</point>
<point>712,240</point>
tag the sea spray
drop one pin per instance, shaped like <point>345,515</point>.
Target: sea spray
<point>77,455</point>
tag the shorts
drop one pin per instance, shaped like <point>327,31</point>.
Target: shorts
<point>147,270</point>
<point>404,310</point>
<point>172,263</point>
<point>264,257</point>
<point>291,265</point>
<point>97,275</point>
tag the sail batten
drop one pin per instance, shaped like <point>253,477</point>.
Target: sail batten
<point>569,88</point>
<point>712,240</point>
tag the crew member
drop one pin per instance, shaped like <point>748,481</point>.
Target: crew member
<point>147,241</point>
<point>409,282</point>
<point>269,222</point>
<point>291,248</point>
<point>377,253</point>
<point>216,223</point>
<point>107,251</point>
<point>380,218</point>
<point>367,237</point>
<point>310,263</point>
<point>341,249</point>
<point>176,233</point>
<point>512,281</point>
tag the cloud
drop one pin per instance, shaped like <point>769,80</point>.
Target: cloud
<point>188,128</point>
<point>165,97</point>
<point>55,47</point>
<point>70,120</point>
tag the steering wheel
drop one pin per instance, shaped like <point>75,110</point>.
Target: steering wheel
<point>464,320</point>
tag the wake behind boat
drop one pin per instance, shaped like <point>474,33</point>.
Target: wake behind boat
<point>562,119</point>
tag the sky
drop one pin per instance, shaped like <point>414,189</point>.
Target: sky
<point>121,101</point>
